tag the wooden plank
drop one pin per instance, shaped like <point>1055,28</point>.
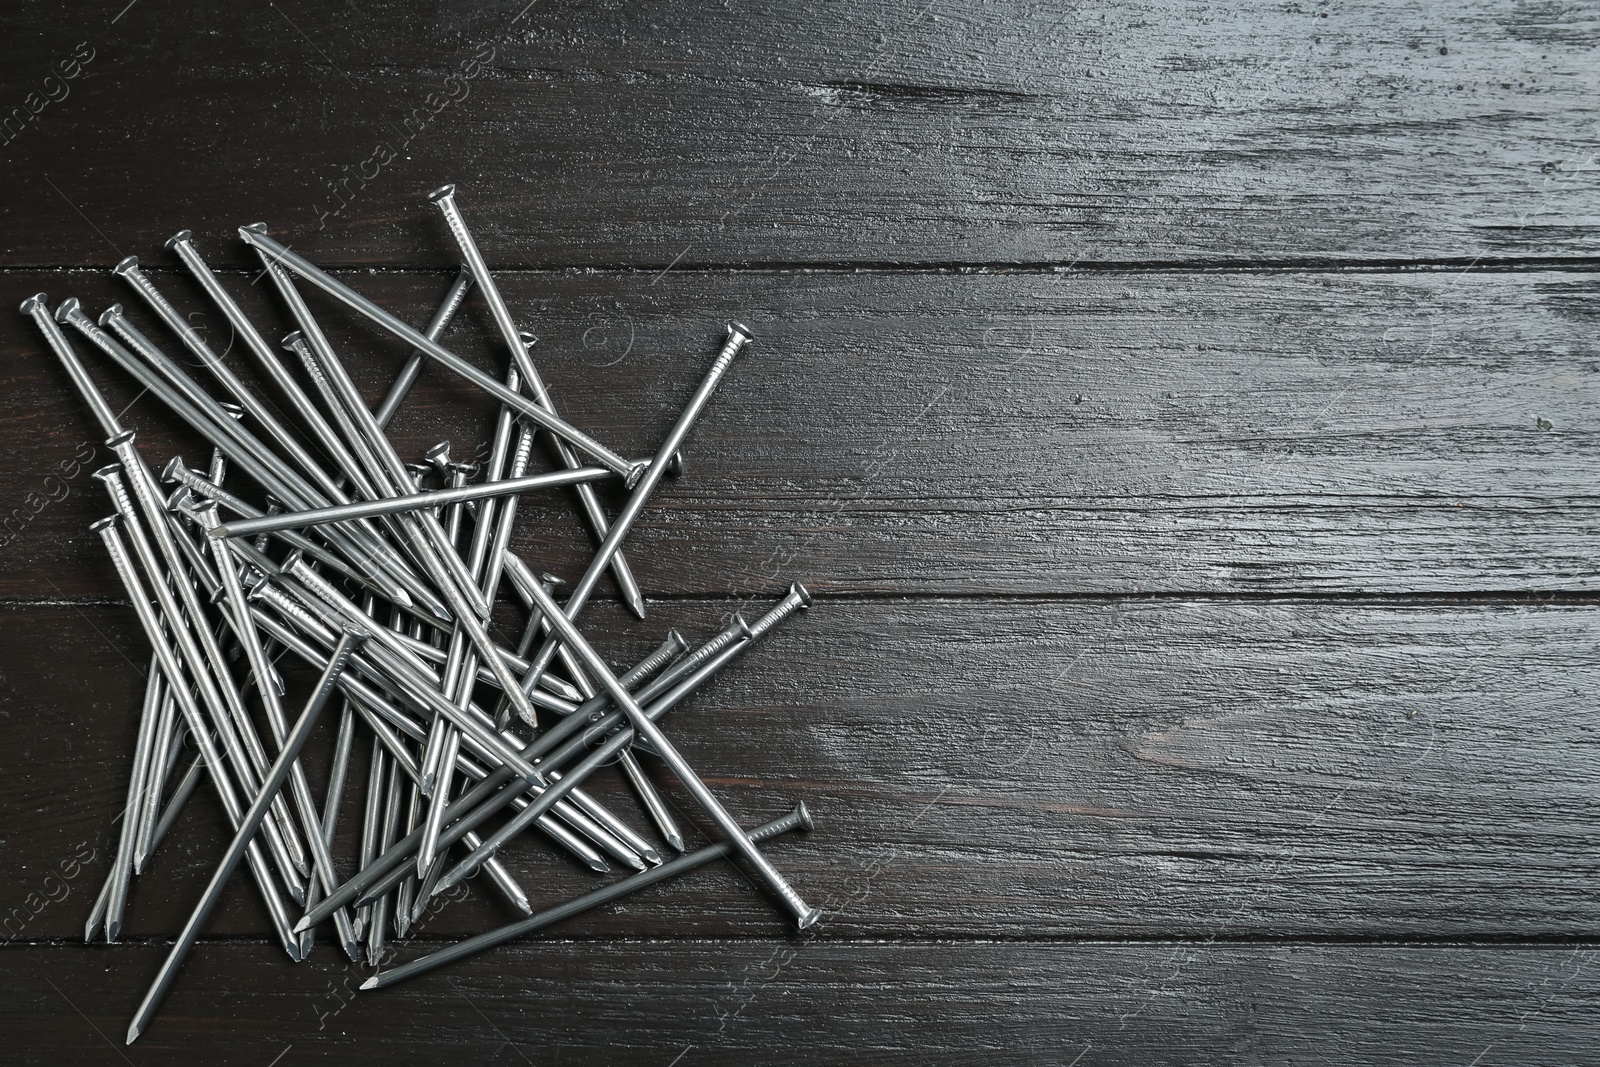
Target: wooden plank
<point>1093,432</point>
<point>990,769</point>
<point>881,132</point>
<point>777,1003</point>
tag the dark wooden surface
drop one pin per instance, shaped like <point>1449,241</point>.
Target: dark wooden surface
<point>1186,415</point>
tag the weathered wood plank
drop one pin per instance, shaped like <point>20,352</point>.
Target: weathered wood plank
<point>661,1002</point>
<point>880,132</point>
<point>1011,769</point>
<point>1017,434</point>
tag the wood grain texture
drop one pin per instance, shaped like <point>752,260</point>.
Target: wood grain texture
<point>1034,434</point>
<point>809,1000</point>
<point>1010,769</point>
<point>1185,412</point>
<point>877,132</point>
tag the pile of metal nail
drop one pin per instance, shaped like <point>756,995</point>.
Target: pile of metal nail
<point>309,539</point>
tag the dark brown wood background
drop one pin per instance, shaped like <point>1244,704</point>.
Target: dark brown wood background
<point>1185,413</point>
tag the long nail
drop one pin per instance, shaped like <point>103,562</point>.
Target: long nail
<point>470,809</point>
<point>804,914</point>
<point>34,307</point>
<point>654,806</point>
<point>256,235</point>
<point>737,338</point>
<point>413,365</point>
<point>394,505</point>
<point>245,834</point>
<point>186,624</point>
<point>797,819</point>
<point>518,344</point>
<point>212,759</point>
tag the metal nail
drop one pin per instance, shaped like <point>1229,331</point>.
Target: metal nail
<point>413,365</point>
<point>804,915</point>
<point>244,836</point>
<point>799,818</point>
<point>194,639</point>
<point>410,502</point>
<point>518,343</point>
<point>212,759</point>
<point>471,809</point>
<point>654,806</point>
<point>256,235</point>
<point>737,338</point>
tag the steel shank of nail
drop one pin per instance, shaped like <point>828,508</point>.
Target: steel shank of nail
<point>392,505</point>
<point>427,538</point>
<point>306,525</point>
<point>737,338</point>
<point>185,399</point>
<point>518,343</point>
<point>256,235</point>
